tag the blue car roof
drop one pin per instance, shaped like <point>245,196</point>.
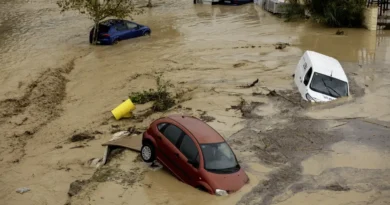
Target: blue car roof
<point>111,22</point>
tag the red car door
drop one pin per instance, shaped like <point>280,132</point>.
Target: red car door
<point>189,156</point>
<point>167,139</point>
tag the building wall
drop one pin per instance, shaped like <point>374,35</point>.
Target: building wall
<point>371,18</point>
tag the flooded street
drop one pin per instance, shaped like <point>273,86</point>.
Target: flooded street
<point>54,85</point>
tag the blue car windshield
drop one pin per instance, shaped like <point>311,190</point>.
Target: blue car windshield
<point>329,86</point>
<point>219,158</point>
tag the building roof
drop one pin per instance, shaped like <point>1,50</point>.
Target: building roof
<point>199,129</point>
<point>327,65</point>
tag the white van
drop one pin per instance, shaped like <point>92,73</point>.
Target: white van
<point>320,78</point>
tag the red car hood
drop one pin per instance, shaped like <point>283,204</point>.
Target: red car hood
<point>228,182</point>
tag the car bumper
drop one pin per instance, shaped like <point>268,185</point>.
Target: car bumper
<point>104,42</point>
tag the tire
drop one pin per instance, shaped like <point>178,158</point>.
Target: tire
<point>115,42</point>
<point>148,153</point>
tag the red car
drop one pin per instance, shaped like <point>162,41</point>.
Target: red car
<point>195,153</point>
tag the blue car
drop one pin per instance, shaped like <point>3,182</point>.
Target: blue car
<point>235,2</point>
<point>114,30</point>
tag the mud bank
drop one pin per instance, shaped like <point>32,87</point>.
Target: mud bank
<point>22,117</point>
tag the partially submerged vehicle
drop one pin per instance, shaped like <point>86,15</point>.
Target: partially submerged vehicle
<point>114,30</point>
<point>195,153</point>
<point>235,2</point>
<point>212,2</point>
<point>320,78</point>
<point>273,6</point>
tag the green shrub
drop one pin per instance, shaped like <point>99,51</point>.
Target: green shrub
<point>338,13</point>
<point>162,99</point>
<point>334,13</point>
<point>293,11</point>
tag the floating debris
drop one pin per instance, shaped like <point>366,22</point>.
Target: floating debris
<point>281,46</point>
<point>250,85</point>
<point>23,190</point>
<point>337,187</point>
<point>81,137</point>
<point>119,134</point>
<point>78,146</point>
<point>339,32</point>
<point>95,162</point>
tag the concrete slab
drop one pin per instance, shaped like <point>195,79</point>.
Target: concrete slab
<point>130,142</point>
<point>133,142</point>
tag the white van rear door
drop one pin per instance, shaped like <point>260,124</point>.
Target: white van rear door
<point>299,72</point>
<point>302,69</point>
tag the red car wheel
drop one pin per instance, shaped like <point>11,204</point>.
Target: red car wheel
<point>148,153</point>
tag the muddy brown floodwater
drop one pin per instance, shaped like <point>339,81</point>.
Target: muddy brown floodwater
<point>55,85</point>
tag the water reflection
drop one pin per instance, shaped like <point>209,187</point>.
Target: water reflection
<point>356,45</point>
<point>382,49</point>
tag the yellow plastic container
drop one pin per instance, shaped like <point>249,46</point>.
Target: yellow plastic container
<point>123,110</point>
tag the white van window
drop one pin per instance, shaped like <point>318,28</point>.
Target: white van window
<point>307,77</point>
<point>328,85</point>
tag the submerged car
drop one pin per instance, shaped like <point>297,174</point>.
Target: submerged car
<point>234,2</point>
<point>195,153</point>
<point>320,78</point>
<point>114,30</point>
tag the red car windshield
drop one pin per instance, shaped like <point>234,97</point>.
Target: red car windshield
<point>219,158</point>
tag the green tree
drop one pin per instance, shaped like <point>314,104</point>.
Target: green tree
<point>338,13</point>
<point>334,13</point>
<point>98,10</point>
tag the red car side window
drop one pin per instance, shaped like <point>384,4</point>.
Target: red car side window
<point>161,126</point>
<point>188,148</point>
<point>172,133</point>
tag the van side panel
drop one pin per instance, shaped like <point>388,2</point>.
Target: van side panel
<point>303,66</point>
<point>299,71</point>
<point>307,67</point>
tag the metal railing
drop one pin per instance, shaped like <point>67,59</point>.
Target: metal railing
<point>383,5</point>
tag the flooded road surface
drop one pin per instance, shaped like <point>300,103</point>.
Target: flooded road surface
<point>54,85</point>
<point>35,37</point>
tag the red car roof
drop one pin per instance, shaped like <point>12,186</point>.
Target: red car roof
<point>199,129</point>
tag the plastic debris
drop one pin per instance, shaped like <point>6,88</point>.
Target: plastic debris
<point>23,190</point>
<point>105,156</point>
<point>95,162</point>
<point>119,135</point>
<point>123,110</point>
